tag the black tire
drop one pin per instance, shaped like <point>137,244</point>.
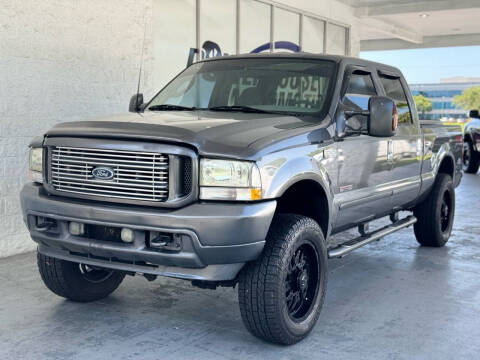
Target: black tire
<point>471,158</point>
<point>435,215</point>
<point>75,281</point>
<point>267,311</point>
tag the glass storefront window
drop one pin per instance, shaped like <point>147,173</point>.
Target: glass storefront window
<point>286,27</point>
<point>336,39</point>
<point>217,25</point>
<point>312,35</point>
<point>175,31</point>
<point>254,25</point>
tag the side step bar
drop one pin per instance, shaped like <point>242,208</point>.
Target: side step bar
<point>356,243</point>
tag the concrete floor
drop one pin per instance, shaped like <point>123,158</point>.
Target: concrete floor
<point>389,300</point>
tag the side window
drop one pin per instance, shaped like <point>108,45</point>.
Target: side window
<point>359,90</point>
<point>394,90</point>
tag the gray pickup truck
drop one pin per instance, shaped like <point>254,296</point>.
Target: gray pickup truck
<point>238,172</point>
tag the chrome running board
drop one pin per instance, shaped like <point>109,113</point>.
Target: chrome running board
<point>356,243</point>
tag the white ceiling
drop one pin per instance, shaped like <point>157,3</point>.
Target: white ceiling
<point>389,24</point>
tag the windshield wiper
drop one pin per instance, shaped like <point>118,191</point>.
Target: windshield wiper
<point>249,109</point>
<point>166,107</point>
<point>237,108</point>
<point>233,108</point>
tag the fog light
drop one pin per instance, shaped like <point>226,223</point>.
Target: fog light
<point>76,228</point>
<point>127,235</point>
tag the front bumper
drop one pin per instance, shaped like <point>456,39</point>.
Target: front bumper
<point>217,238</point>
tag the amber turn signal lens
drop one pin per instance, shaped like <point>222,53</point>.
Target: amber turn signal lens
<point>255,194</point>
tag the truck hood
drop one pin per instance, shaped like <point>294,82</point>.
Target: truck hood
<point>238,135</point>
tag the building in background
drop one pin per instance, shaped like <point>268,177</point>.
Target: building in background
<point>441,95</point>
<point>229,27</point>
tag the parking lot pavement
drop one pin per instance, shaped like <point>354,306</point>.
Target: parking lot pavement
<point>389,300</point>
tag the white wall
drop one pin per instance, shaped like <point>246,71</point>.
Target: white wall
<point>60,61</point>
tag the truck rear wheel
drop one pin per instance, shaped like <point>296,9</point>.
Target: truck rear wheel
<point>281,293</point>
<point>77,282</point>
<point>471,159</point>
<point>435,215</point>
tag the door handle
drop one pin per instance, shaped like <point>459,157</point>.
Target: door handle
<point>390,151</point>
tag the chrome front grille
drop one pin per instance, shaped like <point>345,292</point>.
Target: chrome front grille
<point>135,175</point>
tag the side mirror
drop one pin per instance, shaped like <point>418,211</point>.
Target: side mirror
<point>474,114</point>
<point>136,102</point>
<point>383,117</point>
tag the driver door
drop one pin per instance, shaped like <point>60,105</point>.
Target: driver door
<point>364,164</point>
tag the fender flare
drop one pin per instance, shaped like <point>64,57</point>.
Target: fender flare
<point>444,153</point>
<point>280,179</point>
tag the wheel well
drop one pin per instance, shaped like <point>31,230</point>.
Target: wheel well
<point>447,166</point>
<point>307,198</point>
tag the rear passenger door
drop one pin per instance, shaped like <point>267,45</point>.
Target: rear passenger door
<point>407,142</point>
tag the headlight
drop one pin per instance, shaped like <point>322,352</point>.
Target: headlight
<point>36,165</point>
<point>229,180</point>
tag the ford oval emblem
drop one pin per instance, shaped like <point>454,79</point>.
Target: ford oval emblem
<point>103,173</point>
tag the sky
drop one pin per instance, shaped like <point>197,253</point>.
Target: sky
<point>429,65</point>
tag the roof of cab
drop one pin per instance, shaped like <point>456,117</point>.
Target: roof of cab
<point>306,55</point>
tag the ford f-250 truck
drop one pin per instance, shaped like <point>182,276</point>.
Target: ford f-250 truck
<point>471,148</point>
<point>238,172</point>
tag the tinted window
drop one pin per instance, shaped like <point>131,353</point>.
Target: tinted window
<point>394,90</point>
<point>360,89</point>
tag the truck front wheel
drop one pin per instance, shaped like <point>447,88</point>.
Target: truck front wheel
<point>435,214</point>
<point>77,282</point>
<point>471,159</point>
<point>281,293</point>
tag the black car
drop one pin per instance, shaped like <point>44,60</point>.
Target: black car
<point>471,152</point>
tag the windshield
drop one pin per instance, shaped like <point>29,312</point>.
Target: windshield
<point>267,85</point>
